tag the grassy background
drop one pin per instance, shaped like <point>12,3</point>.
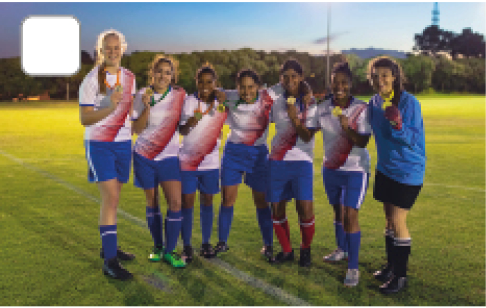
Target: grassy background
<point>50,242</point>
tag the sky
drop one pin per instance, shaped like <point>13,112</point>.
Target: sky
<point>184,27</point>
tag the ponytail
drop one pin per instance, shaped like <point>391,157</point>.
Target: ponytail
<point>102,78</point>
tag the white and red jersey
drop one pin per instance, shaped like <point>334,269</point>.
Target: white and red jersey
<point>116,126</point>
<point>161,137</point>
<point>286,144</point>
<point>200,147</point>
<point>248,122</point>
<point>340,153</point>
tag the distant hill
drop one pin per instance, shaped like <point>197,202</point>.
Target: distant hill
<point>373,52</point>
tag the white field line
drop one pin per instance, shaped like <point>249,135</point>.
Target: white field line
<point>256,283</point>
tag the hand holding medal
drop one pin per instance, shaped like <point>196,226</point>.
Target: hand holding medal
<point>291,109</point>
<point>221,97</point>
<point>147,96</point>
<point>198,114</point>
<point>291,100</point>
<point>337,111</point>
<point>392,113</point>
<point>116,95</point>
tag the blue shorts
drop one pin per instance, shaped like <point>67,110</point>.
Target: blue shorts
<point>250,160</point>
<point>289,179</point>
<point>345,187</point>
<point>207,181</point>
<point>149,173</point>
<point>108,160</point>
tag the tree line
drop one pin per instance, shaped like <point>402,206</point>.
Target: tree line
<point>434,40</point>
<point>427,71</point>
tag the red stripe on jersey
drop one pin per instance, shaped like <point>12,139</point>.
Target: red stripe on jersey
<point>116,120</point>
<point>195,153</point>
<point>154,144</point>
<point>288,139</point>
<point>262,117</point>
<point>340,151</point>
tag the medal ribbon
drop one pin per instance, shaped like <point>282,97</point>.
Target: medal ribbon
<point>117,79</point>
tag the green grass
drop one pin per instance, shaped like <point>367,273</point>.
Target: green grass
<point>50,242</point>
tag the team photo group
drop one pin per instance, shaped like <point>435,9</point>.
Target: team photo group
<point>178,148</point>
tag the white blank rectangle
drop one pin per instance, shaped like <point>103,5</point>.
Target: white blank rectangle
<point>50,45</point>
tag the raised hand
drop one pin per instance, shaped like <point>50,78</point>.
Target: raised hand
<point>147,96</point>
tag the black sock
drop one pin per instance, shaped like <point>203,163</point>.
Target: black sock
<point>402,251</point>
<point>389,241</point>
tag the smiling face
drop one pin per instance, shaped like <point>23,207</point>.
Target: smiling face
<point>383,80</point>
<point>247,89</point>
<point>162,75</point>
<point>205,86</point>
<point>291,81</point>
<point>111,50</point>
<point>341,86</point>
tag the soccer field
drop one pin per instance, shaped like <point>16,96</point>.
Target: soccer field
<point>50,241</point>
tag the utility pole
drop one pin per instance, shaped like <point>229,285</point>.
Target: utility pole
<point>328,39</point>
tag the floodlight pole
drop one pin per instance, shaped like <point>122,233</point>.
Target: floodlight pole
<point>328,39</point>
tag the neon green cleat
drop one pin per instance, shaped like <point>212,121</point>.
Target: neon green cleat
<point>174,260</point>
<point>157,254</point>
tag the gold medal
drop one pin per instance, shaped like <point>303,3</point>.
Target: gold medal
<point>386,105</point>
<point>221,108</point>
<point>149,92</point>
<point>291,100</point>
<point>337,111</point>
<point>198,115</point>
<point>119,88</point>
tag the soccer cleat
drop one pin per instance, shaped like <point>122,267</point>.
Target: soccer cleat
<point>352,278</point>
<point>187,254</point>
<point>174,260</point>
<point>221,247</point>
<point>207,251</point>
<point>395,285</point>
<point>385,274</point>
<point>335,256</point>
<point>120,254</point>
<point>282,257</point>
<point>157,254</point>
<point>305,257</point>
<point>267,252</point>
<point>112,268</point>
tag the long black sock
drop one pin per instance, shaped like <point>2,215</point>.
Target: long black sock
<point>402,251</point>
<point>389,241</point>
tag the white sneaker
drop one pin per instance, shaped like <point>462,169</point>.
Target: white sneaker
<point>336,256</point>
<point>352,278</point>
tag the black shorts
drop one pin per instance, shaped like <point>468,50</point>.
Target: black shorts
<point>387,190</point>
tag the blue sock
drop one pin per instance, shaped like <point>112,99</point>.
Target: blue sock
<point>354,240</point>
<point>206,216</point>
<point>224,222</point>
<point>340,236</point>
<point>108,240</point>
<point>266,225</point>
<point>154,222</point>
<point>186,230</point>
<point>173,225</point>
